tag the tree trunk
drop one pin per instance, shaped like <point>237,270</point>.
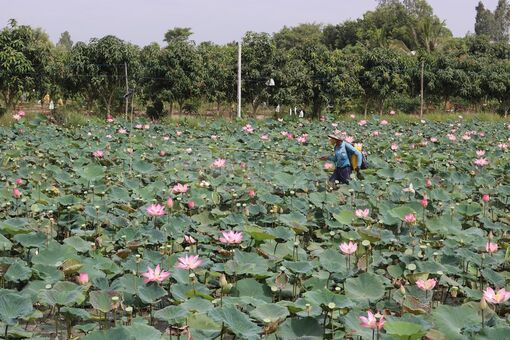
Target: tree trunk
<point>254,106</point>
<point>317,106</point>
<point>171,108</point>
<point>381,109</point>
<point>366,107</point>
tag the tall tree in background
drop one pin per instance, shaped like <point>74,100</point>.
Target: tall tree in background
<point>65,41</point>
<point>484,22</point>
<point>298,36</point>
<point>502,21</point>
<point>178,34</point>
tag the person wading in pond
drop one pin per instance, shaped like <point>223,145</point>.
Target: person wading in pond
<point>342,161</point>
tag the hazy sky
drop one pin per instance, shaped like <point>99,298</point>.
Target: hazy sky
<point>221,21</point>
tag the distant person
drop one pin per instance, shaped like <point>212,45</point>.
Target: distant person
<point>341,158</point>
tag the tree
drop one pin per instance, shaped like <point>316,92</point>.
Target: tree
<point>298,36</point>
<point>219,72</point>
<point>65,41</point>
<point>178,34</point>
<point>502,21</point>
<point>484,22</point>
<point>342,35</point>
<point>23,53</point>
<point>172,74</point>
<point>258,67</point>
<point>97,70</point>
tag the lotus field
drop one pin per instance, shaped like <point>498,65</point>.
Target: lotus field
<point>223,230</point>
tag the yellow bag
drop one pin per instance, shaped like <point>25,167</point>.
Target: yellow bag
<point>354,158</point>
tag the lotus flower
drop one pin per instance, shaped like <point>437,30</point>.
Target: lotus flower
<point>410,218</point>
<point>433,140</point>
<point>496,298</point>
<point>375,133</point>
<point>302,139</point>
<point>82,278</point>
<point>178,133</point>
<point>21,113</point>
<point>248,128</point>
<point>409,189</point>
<point>252,193</point>
<point>428,183</point>
<point>486,198</point>
<point>503,146</point>
<point>109,118</point>
<point>191,204</point>
<point>384,122</point>
<point>231,237</point>
<point>426,284</point>
<point>155,210</point>
<point>19,181</point>
<point>139,126</point>
<point>214,137</point>
<point>188,262</point>
<point>16,116</point>
<point>219,163</point>
<point>179,188</point>
<point>349,139</point>
<point>155,275</point>
<point>392,112</point>
<point>491,247</point>
<point>334,125</point>
<point>348,248</point>
<point>480,153</point>
<point>98,154</point>
<point>424,202</point>
<point>362,122</point>
<point>371,321</point>
<point>352,116</point>
<point>170,202</point>
<point>481,162</point>
<point>362,213</point>
<point>16,193</point>
<point>451,137</point>
<point>146,126</point>
<point>189,239</point>
<point>394,146</point>
<point>264,137</point>
<point>122,131</point>
<point>328,166</point>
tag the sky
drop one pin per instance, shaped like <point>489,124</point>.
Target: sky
<point>221,21</point>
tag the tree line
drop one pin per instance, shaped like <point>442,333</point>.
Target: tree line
<point>371,64</point>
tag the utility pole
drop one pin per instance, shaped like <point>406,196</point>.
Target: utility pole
<point>239,81</point>
<point>127,88</point>
<point>421,95</point>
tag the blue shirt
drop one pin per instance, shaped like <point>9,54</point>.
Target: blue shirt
<point>341,157</point>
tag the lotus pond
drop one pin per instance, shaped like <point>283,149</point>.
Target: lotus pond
<point>228,230</point>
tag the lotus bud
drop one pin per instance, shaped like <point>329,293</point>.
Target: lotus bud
<point>223,280</point>
<point>454,292</point>
<point>483,304</point>
<point>274,289</point>
<point>331,305</point>
<point>403,290</point>
<point>337,289</point>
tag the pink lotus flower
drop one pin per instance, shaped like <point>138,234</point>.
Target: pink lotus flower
<point>352,116</point>
<point>189,239</point>
<point>290,136</point>
<point>480,153</point>
<point>375,133</point>
<point>284,133</point>
<point>496,298</point>
<point>162,153</point>
<point>251,193</point>
<point>264,137</point>
<point>170,202</point>
<point>139,126</point>
<point>82,278</point>
<point>426,284</point>
<point>486,198</point>
<point>109,118</point>
<point>428,183</point>
<point>166,138</point>
<point>392,112</point>
<point>503,146</point>
<point>398,134</point>
<point>451,137</point>
<point>231,237</point>
<point>323,118</point>
<point>362,213</point>
<point>179,188</point>
<point>348,248</point>
<point>248,128</point>
<point>219,163</point>
<point>155,275</point>
<point>109,136</point>
<point>302,139</point>
<point>334,125</point>
<point>155,210</point>
<point>433,140</point>
<point>394,146</point>
<point>242,165</point>
<point>384,122</point>
<point>16,193</point>
<point>122,131</point>
<point>349,139</point>
<point>424,202</point>
<point>410,218</point>
<point>19,181</point>
<point>21,113</point>
<point>371,321</point>
<point>146,126</point>
<point>188,262</point>
<point>491,247</point>
<point>98,154</point>
<point>178,133</point>
<point>481,162</point>
<point>214,137</point>
<point>328,166</point>
<point>16,116</point>
<point>191,204</point>
<point>362,122</point>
